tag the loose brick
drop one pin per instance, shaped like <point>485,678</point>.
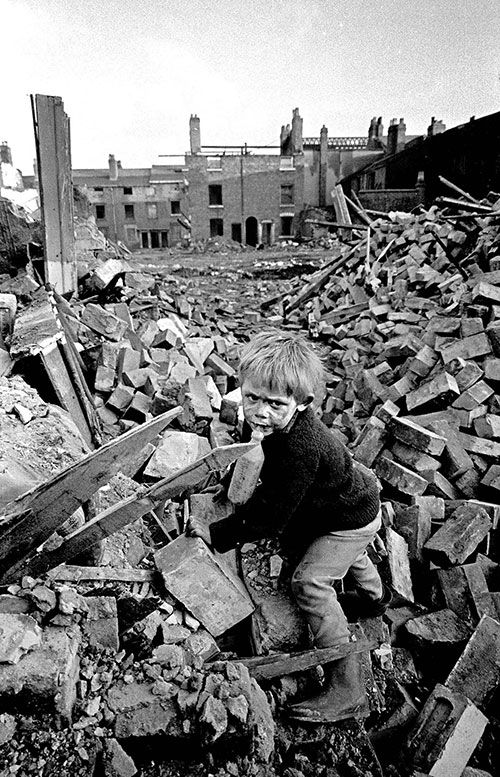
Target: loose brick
<point>413,523</point>
<point>454,542</point>
<point>438,391</point>
<point>203,584</point>
<point>410,433</point>
<point>399,565</point>
<point>445,734</point>
<point>469,348</point>
<point>461,587</point>
<point>46,676</point>
<point>175,451</point>
<point>477,672</point>
<point>400,477</point>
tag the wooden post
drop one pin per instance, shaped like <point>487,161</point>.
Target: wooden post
<point>56,191</point>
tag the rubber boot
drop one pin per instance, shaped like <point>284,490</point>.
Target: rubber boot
<point>343,695</point>
<point>356,604</point>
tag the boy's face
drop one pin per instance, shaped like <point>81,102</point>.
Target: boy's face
<point>265,409</point>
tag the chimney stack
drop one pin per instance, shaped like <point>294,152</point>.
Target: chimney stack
<point>396,136</point>
<point>194,134</point>
<point>435,127</point>
<point>297,144</point>
<point>113,168</point>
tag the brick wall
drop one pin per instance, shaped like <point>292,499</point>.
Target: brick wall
<point>251,188</point>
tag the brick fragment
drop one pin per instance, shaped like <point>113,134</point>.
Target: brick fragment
<point>203,584</point>
<point>445,734</point>
<point>454,542</point>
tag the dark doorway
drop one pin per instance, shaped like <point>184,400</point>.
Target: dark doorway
<point>164,239</point>
<point>251,231</point>
<point>216,227</point>
<point>155,239</point>
<point>266,233</point>
<point>145,239</point>
<point>286,226</point>
<point>236,232</point>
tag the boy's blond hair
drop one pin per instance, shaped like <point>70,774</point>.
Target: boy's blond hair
<point>284,362</point>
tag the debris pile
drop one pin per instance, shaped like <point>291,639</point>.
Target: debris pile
<point>156,635</point>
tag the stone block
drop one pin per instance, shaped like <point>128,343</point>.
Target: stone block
<point>105,379</point>
<point>438,485</point>
<point>413,523</point>
<point>129,360</point>
<point>470,373</point>
<point>200,400</point>
<point>487,426</point>
<point>121,398</point>
<point>410,433</point>
<point>103,322</point>
<point>476,674</point>
<point>438,391</point>
<point>370,442</point>
<point>219,366</point>
<point>455,459</point>
<point>19,634</point>
<point>399,564</point>
<point>45,678</point>
<point>445,734</point>
<point>457,539</point>
<point>175,451</point>
<point>116,762</point>
<point>140,712</point>
<point>101,624</point>
<point>461,588</point>
<point>399,477</point>
<point>203,584</point>
<point>413,458</point>
<point>469,348</point>
<point>479,393</point>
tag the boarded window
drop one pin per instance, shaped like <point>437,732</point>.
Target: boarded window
<point>152,209</point>
<point>131,234</point>
<point>286,194</point>
<point>175,207</point>
<point>216,227</point>
<point>215,194</point>
<point>100,211</point>
<point>129,211</point>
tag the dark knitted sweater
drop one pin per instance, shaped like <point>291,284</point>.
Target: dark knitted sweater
<point>310,485</point>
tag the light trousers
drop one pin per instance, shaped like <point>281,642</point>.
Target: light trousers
<point>328,559</point>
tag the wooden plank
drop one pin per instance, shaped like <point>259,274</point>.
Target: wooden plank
<point>55,368</point>
<point>34,516</point>
<point>458,190</point>
<point>120,515</point>
<point>56,188</point>
<point>72,573</point>
<point>267,667</point>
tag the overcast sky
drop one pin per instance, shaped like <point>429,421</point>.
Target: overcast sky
<point>131,72</point>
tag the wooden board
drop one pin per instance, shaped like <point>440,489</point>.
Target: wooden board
<point>267,667</point>
<point>34,516</point>
<point>120,515</point>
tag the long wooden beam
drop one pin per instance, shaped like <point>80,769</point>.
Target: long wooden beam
<point>31,518</point>
<point>120,515</point>
<point>267,667</point>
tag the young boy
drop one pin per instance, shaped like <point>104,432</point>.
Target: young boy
<point>322,505</point>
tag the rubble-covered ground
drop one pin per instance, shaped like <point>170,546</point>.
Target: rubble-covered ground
<point>126,676</point>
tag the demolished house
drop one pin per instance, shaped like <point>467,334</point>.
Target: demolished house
<point>127,647</point>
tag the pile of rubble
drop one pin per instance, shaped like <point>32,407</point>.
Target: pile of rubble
<point>155,636</point>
